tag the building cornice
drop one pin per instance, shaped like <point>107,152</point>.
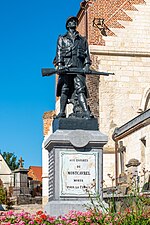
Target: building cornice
<point>105,50</point>
<point>133,125</point>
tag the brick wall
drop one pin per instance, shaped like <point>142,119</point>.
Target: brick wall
<point>93,88</point>
<point>111,10</point>
<point>47,121</point>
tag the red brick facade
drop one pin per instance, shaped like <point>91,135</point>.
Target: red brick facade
<point>47,121</point>
<point>110,10</point>
<point>93,89</point>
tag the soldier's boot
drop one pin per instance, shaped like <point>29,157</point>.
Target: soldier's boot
<point>82,101</point>
<point>63,103</point>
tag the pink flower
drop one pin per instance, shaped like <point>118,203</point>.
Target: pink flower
<point>51,218</point>
<point>63,218</point>
<point>2,218</point>
<point>115,219</point>
<point>88,220</point>
<point>10,213</point>
<point>31,222</point>
<point>78,213</point>
<point>74,223</point>
<point>89,213</point>
<point>7,223</point>
<point>68,221</point>
<point>98,217</point>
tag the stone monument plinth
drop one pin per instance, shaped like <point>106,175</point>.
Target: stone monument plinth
<point>75,164</point>
<point>20,182</point>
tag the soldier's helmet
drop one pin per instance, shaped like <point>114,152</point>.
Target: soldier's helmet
<point>70,18</point>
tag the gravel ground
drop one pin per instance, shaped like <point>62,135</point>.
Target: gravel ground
<point>31,208</point>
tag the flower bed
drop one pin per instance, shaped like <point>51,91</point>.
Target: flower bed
<point>76,218</point>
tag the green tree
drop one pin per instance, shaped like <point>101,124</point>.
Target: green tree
<point>11,160</point>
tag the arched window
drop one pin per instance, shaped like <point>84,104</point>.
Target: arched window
<point>145,102</point>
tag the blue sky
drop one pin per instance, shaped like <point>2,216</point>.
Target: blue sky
<point>29,31</point>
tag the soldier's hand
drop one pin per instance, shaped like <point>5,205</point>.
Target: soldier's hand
<point>86,68</point>
<point>60,67</point>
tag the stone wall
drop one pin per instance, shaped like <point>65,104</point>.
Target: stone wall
<point>108,169</point>
<point>137,147</point>
<point>47,129</point>
<point>25,199</point>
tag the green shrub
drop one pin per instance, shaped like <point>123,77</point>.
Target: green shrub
<point>2,195</point>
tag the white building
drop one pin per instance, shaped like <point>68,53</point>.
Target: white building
<point>5,173</point>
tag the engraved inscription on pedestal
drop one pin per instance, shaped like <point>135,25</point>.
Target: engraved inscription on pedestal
<point>78,173</point>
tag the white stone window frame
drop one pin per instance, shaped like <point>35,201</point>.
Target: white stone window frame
<point>145,101</point>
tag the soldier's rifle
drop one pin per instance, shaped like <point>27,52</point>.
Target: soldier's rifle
<point>51,71</point>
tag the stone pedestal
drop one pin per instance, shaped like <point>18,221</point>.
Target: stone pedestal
<point>75,123</point>
<point>20,182</point>
<point>75,168</point>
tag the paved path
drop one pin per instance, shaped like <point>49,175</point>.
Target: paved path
<point>31,208</point>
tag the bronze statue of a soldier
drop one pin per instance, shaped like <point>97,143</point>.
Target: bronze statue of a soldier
<point>72,52</point>
<point>72,64</point>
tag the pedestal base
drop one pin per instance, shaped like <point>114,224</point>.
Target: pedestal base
<point>57,208</point>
